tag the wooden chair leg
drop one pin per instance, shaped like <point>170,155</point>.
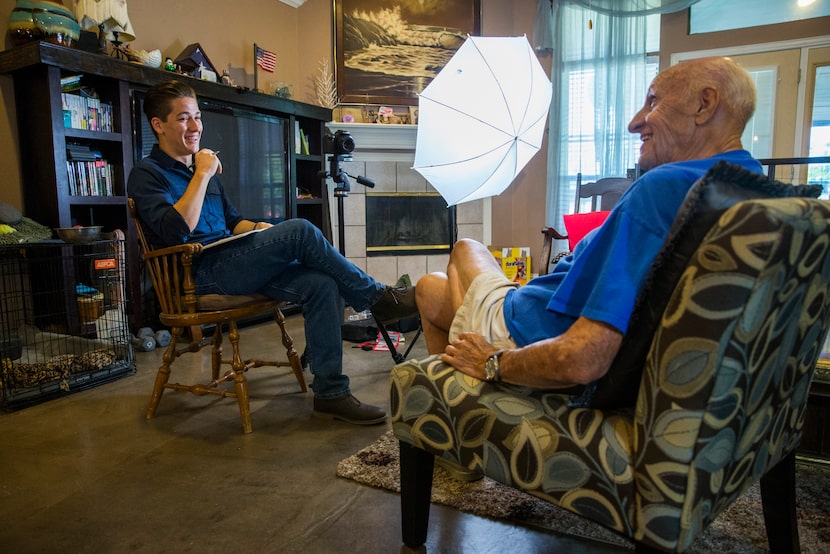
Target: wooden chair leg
<point>416,489</point>
<point>293,356</point>
<point>195,332</point>
<point>216,352</point>
<point>240,380</point>
<point>163,374</point>
<point>778,500</point>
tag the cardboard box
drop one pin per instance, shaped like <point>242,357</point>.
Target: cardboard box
<point>514,261</point>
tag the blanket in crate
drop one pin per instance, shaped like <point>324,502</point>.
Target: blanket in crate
<point>46,357</point>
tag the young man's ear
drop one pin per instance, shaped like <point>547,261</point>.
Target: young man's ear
<point>155,123</point>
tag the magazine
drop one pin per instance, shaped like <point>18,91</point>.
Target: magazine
<point>232,238</point>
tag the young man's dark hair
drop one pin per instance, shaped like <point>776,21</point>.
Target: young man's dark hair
<point>159,100</point>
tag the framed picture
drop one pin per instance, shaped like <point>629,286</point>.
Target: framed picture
<point>349,114</point>
<point>387,51</point>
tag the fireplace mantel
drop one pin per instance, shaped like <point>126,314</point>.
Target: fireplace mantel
<point>380,142</point>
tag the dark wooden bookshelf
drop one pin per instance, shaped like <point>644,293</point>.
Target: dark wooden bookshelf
<point>36,70</point>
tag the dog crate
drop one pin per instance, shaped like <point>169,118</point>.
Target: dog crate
<point>63,319</point>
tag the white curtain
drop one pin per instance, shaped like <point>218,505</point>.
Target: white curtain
<point>598,57</point>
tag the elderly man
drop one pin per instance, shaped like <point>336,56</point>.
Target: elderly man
<point>564,329</point>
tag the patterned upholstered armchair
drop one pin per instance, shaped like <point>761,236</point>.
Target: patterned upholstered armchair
<point>716,403</point>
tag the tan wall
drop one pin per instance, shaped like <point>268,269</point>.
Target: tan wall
<point>675,37</point>
<point>519,212</point>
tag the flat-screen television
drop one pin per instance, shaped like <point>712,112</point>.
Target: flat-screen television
<point>252,147</point>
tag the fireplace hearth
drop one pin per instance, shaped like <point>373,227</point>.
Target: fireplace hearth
<point>408,224</point>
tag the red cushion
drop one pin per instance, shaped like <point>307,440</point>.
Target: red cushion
<point>579,225</point>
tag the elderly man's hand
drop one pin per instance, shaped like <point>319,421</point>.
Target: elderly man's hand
<point>468,354</point>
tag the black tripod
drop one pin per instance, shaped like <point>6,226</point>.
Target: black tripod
<point>341,191</point>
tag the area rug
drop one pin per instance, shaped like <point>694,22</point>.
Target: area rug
<point>738,529</point>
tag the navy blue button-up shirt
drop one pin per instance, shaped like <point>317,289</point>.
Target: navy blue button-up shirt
<point>157,182</point>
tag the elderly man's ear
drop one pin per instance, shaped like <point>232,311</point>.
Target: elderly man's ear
<point>708,101</point>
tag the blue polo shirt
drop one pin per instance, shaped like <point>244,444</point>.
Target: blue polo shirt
<point>608,267</point>
<point>157,182</point>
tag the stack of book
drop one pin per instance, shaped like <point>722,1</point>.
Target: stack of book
<point>89,174</point>
<point>82,109</point>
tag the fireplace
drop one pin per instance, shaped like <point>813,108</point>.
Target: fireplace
<point>401,224</point>
<point>385,154</point>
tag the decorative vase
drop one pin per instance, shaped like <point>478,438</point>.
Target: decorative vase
<point>43,20</point>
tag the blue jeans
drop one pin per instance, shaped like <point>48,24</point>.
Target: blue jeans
<point>293,261</point>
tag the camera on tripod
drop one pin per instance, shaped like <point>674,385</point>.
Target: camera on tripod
<point>340,143</point>
<point>340,146</point>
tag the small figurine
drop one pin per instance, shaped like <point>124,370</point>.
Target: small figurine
<point>169,65</point>
<point>226,79</point>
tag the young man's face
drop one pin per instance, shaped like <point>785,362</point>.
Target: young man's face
<point>666,123</point>
<point>179,135</point>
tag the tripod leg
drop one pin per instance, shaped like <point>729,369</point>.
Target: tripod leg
<point>397,356</point>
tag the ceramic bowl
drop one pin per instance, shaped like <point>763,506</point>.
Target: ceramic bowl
<point>79,235</point>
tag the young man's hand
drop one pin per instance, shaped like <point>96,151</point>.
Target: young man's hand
<point>208,161</point>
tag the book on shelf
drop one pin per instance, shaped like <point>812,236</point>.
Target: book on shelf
<point>80,112</point>
<point>303,143</point>
<point>88,173</point>
<point>70,82</point>
<point>81,152</point>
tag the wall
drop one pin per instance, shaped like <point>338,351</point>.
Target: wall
<point>518,214</point>
<point>674,35</point>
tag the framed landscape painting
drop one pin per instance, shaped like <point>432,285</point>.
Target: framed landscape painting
<point>387,51</point>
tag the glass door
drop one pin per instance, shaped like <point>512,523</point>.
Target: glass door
<point>816,134</point>
<point>771,131</point>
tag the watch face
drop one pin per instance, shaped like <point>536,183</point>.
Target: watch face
<point>489,369</point>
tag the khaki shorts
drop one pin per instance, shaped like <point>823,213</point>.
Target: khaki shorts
<point>482,310</point>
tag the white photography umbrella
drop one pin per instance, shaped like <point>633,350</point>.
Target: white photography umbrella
<point>482,118</point>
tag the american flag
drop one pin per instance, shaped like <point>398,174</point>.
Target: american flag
<point>266,60</point>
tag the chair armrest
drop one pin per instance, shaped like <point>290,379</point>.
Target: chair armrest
<point>550,234</point>
<point>190,249</point>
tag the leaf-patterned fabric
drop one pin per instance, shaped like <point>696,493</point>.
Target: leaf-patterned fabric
<point>721,400</point>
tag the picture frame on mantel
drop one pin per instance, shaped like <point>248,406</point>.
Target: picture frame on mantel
<point>389,54</point>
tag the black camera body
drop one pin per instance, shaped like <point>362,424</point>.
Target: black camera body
<point>340,143</point>
<point>340,146</point>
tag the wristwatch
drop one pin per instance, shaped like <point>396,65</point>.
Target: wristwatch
<point>491,366</point>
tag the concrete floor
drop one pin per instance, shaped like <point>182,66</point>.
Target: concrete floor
<point>88,473</point>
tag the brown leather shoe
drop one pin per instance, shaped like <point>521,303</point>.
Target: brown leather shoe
<point>397,303</point>
<point>349,409</point>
